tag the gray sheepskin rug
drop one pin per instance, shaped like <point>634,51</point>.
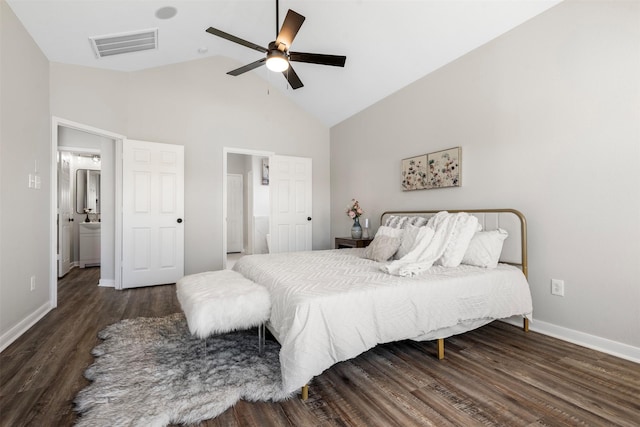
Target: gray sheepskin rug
<point>152,372</point>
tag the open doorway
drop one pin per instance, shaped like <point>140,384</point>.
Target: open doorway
<point>79,204</point>
<point>84,147</point>
<point>246,204</point>
<point>283,223</point>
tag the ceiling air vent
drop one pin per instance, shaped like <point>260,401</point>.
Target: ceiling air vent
<point>116,44</point>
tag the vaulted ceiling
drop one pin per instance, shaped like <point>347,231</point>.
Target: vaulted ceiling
<point>388,44</point>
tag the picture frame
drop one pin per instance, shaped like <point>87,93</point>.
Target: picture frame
<point>414,173</point>
<point>444,168</point>
<point>440,169</point>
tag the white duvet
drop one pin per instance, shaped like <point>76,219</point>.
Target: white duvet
<point>330,306</point>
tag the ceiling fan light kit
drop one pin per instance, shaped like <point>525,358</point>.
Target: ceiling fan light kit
<point>277,61</point>
<point>278,58</point>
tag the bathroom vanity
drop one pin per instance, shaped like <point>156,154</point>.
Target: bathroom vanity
<point>89,244</point>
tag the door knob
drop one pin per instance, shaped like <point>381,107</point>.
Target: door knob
<point>308,218</point>
<point>179,220</point>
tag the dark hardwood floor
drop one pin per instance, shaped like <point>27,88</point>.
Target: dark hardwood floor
<point>494,376</point>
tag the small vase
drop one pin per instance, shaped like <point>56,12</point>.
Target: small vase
<point>356,230</point>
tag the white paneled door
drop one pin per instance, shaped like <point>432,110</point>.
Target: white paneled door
<point>235,213</point>
<point>290,180</point>
<point>65,213</point>
<point>152,213</point>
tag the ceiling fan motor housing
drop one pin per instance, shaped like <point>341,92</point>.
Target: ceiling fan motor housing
<point>276,45</point>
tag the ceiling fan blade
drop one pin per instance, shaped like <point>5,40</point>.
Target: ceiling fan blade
<point>247,67</point>
<point>292,23</point>
<point>318,58</point>
<point>292,78</point>
<point>235,39</point>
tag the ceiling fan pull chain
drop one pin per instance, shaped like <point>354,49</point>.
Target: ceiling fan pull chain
<point>268,82</point>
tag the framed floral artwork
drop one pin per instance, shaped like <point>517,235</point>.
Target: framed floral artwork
<point>434,170</point>
<point>444,168</point>
<point>414,173</point>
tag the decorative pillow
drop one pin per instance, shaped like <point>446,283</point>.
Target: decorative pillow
<point>382,248</point>
<point>417,221</point>
<point>463,233</point>
<point>485,248</point>
<point>408,240</point>
<point>389,231</point>
<point>395,221</point>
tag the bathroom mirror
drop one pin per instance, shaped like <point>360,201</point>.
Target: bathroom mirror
<point>87,190</point>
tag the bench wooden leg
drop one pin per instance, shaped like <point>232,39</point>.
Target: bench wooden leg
<point>305,392</point>
<point>525,325</point>
<point>440,348</point>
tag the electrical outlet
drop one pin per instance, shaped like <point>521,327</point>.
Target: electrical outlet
<point>557,287</point>
<point>33,283</point>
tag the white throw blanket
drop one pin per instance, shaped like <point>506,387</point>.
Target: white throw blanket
<point>431,243</point>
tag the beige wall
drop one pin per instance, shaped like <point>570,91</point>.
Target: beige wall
<point>548,117</point>
<point>90,96</point>
<point>196,104</point>
<point>24,212</point>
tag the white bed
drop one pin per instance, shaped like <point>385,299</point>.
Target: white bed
<point>330,306</point>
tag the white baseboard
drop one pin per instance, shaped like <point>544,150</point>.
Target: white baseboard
<point>614,348</point>
<point>23,326</point>
<point>107,283</point>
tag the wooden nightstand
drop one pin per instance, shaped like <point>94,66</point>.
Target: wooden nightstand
<point>348,242</point>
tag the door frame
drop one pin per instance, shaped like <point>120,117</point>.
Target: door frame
<point>57,122</point>
<point>61,240</point>
<point>244,211</point>
<point>225,152</point>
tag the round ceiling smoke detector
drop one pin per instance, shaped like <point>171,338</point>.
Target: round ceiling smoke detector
<point>167,12</point>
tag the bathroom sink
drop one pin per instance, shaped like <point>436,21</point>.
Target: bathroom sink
<point>90,225</point>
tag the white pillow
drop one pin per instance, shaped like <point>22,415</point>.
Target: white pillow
<point>464,230</point>
<point>382,248</point>
<point>417,221</point>
<point>395,221</point>
<point>389,231</point>
<point>408,240</point>
<point>485,248</point>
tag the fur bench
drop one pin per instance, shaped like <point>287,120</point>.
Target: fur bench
<point>216,302</point>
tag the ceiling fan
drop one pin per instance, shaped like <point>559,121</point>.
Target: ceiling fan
<point>278,57</point>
